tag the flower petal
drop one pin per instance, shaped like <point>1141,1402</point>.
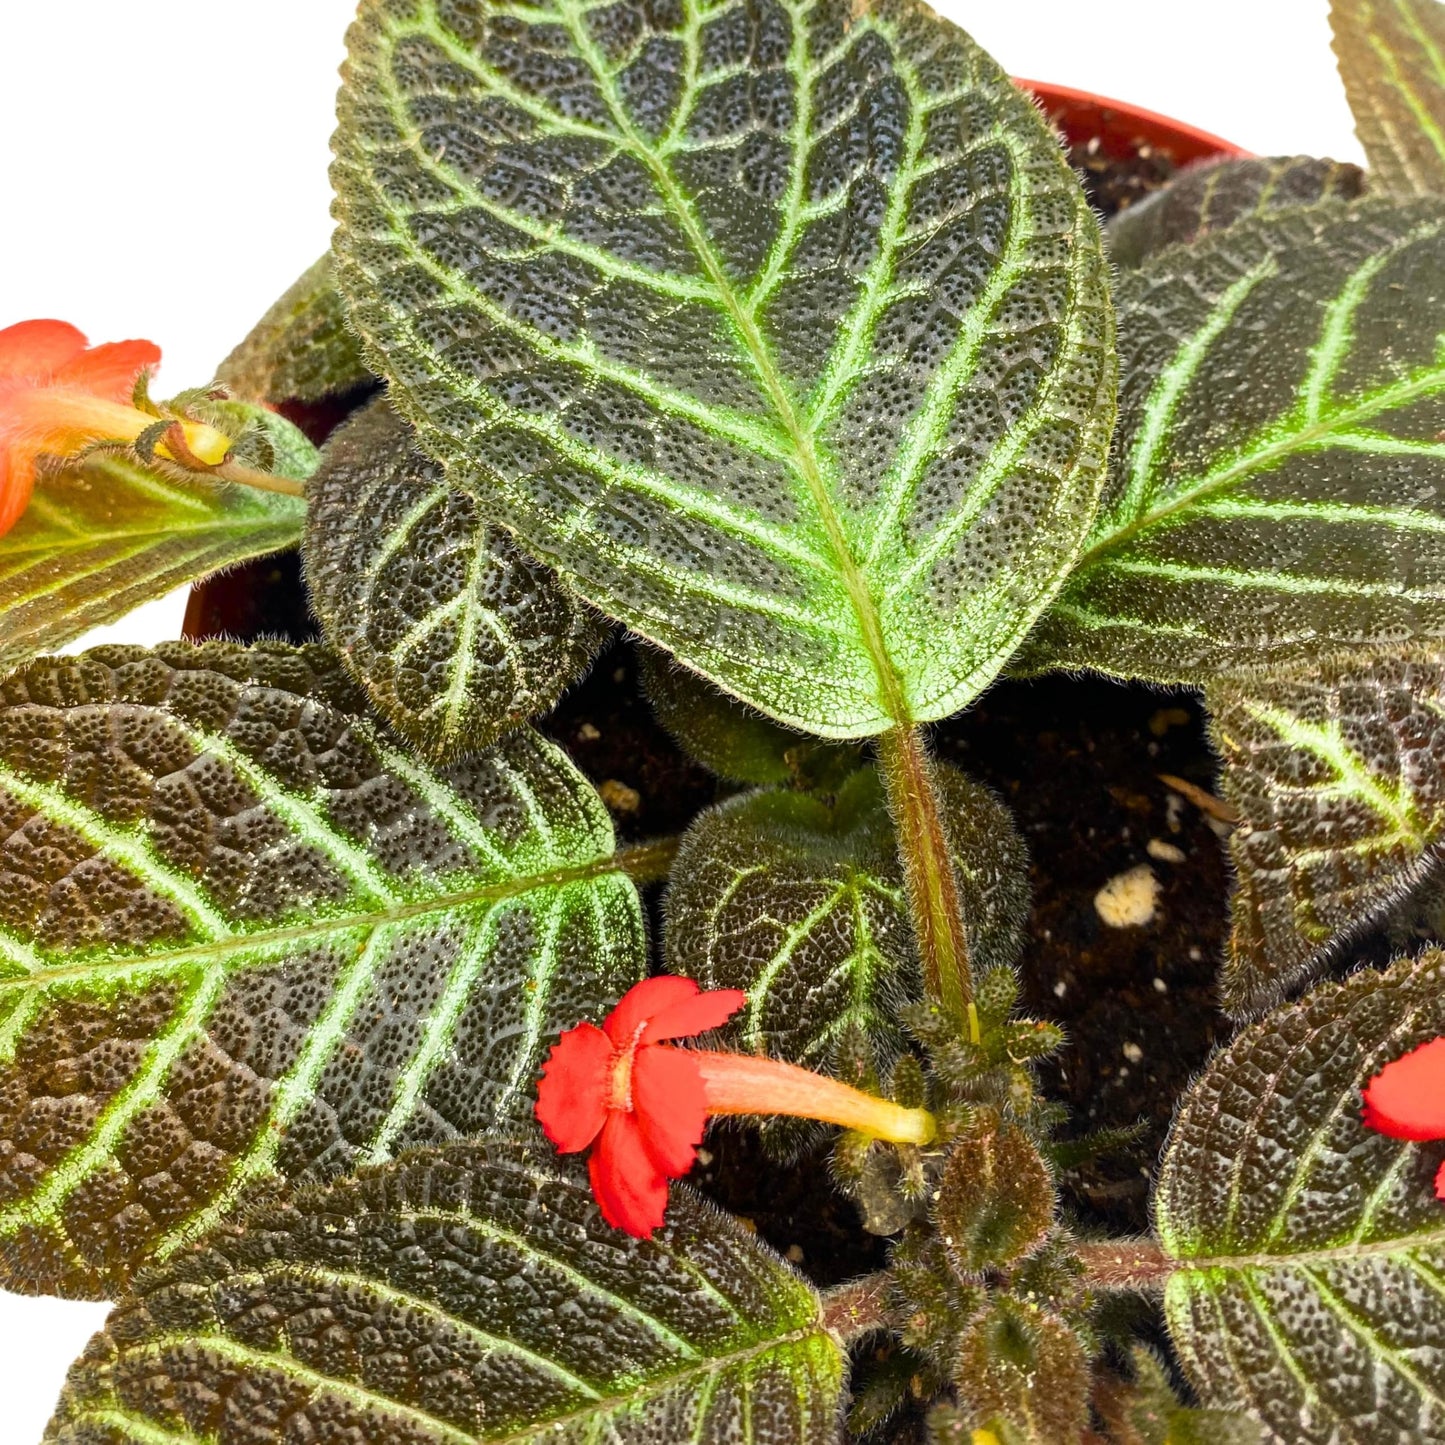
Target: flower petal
<point>642,1002</point>
<point>1406,1099</point>
<point>688,1016</point>
<point>671,1110</point>
<point>630,1190</point>
<point>36,350</point>
<point>1440,1182</point>
<point>110,370</point>
<point>17,482</point>
<point>572,1095</point>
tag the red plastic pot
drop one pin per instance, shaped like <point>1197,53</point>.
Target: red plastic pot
<point>263,597</point>
<point>1122,129</point>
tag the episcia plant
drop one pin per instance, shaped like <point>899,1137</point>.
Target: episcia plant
<point>335,1042</point>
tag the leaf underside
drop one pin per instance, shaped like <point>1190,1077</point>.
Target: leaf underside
<point>1311,1284</point>
<point>99,540</point>
<point>781,331</point>
<point>1214,195</point>
<point>456,635</point>
<point>1279,488</point>
<point>302,349</point>
<point>461,1296</point>
<point>243,937</point>
<point>1338,774</point>
<point>1392,60</point>
<point>802,906</point>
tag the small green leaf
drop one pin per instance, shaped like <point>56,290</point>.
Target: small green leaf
<point>463,1296</point>
<point>1280,480</point>
<point>1392,59</point>
<point>243,937</point>
<point>802,906</point>
<point>455,634</point>
<point>1217,194</point>
<point>782,332</point>
<point>1149,1413</point>
<point>1338,774</point>
<point>995,1201</point>
<point>302,349</point>
<point>1310,1289</point>
<point>100,539</point>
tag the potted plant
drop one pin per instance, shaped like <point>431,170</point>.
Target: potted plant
<point>363,1000</point>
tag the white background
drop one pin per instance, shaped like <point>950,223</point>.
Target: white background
<point>163,174</point>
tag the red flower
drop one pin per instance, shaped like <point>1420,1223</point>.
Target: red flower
<point>645,1104</point>
<point>59,395</point>
<point>1406,1099</point>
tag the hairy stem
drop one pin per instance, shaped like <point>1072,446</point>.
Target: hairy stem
<point>1125,1264</point>
<point>648,862</point>
<point>928,870</point>
<point>859,1307</point>
<point>262,481</point>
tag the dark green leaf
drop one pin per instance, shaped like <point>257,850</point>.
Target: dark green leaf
<point>995,1201</point>
<point>1392,59</point>
<point>1149,1412</point>
<point>1280,477</point>
<point>781,331</point>
<point>100,539</point>
<point>302,349</point>
<point>1338,774</point>
<point>459,1297</point>
<point>243,936</point>
<point>455,634</point>
<point>1217,194</point>
<point>1310,1292</point>
<point>802,905</point>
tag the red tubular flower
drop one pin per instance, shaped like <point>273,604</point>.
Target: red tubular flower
<point>645,1104</point>
<point>58,395</point>
<point>1406,1099</point>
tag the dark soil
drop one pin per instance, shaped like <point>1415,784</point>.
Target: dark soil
<point>1078,761</point>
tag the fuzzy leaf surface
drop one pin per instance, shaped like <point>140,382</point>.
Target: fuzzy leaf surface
<point>802,906</point>
<point>99,540</point>
<point>1392,60</point>
<point>1310,1289</point>
<point>463,1296</point>
<point>1338,774</point>
<point>1217,194</point>
<point>456,636</point>
<point>1279,484</point>
<point>780,329</point>
<point>243,937</point>
<point>302,349</point>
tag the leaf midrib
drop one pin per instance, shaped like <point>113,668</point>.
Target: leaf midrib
<point>805,458</point>
<point>267,939</point>
<point>1304,1258</point>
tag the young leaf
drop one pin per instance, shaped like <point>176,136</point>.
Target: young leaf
<point>455,634</point>
<point>802,906</point>
<point>302,349</point>
<point>1217,194</point>
<point>1392,59</point>
<point>782,333</point>
<point>1310,1289</point>
<point>243,936</point>
<point>463,1296</point>
<point>1280,483</point>
<point>100,539</point>
<point>1338,774</point>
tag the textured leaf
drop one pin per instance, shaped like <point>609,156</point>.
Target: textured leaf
<point>1392,58</point>
<point>781,330</point>
<point>99,540</point>
<point>1217,194</point>
<point>455,634</point>
<point>803,907</point>
<point>243,936</point>
<point>1338,774</point>
<point>462,1296</point>
<point>1310,1292</point>
<point>733,740</point>
<point>1280,475</point>
<point>302,349</point>
<point>995,1201</point>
